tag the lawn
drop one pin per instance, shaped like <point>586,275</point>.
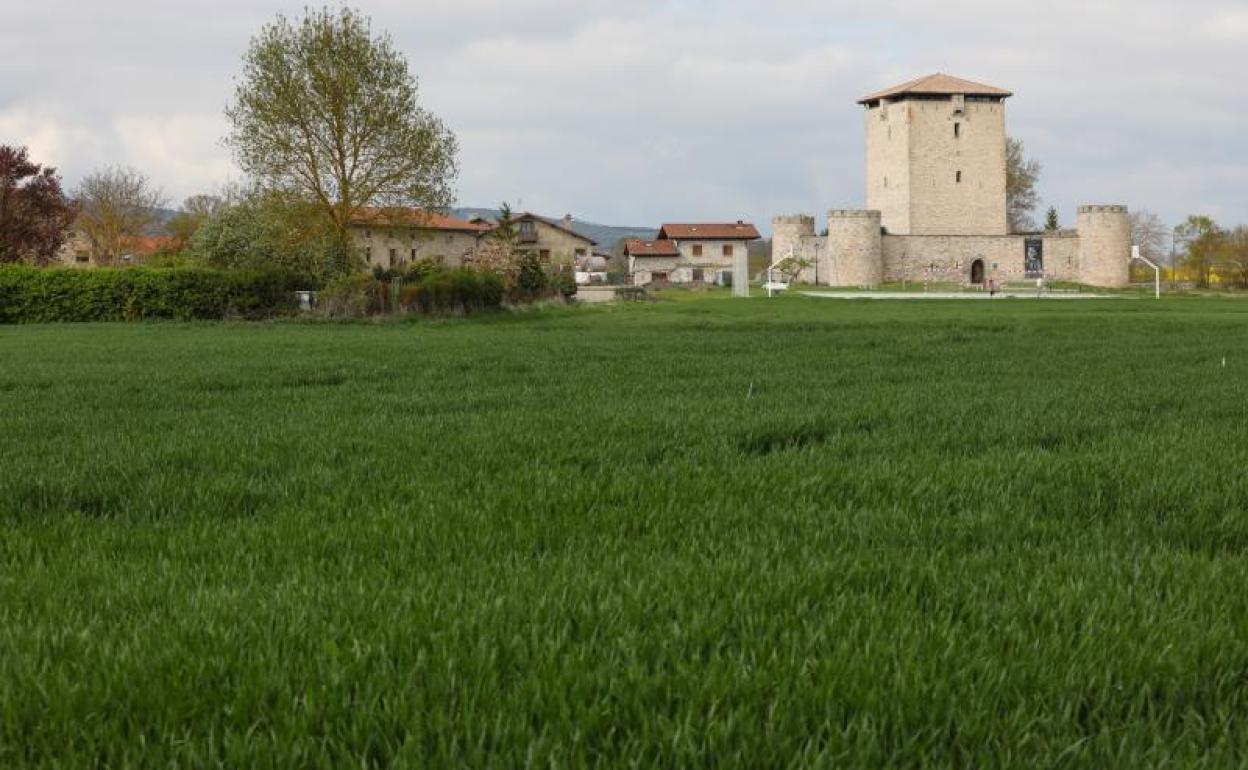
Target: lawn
<point>708,533</point>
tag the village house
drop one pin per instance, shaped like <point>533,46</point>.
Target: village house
<point>392,239</point>
<point>689,253</point>
<point>553,241</point>
<point>79,251</point>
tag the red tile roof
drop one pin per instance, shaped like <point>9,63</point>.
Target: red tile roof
<point>651,249</point>
<point>709,232</point>
<point>424,220</point>
<point>147,245</point>
<point>938,84</point>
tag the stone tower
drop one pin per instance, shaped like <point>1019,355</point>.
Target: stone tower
<point>936,157</point>
<point>1104,246</point>
<point>855,248</point>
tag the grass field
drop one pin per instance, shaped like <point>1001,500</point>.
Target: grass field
<point>789,533</point>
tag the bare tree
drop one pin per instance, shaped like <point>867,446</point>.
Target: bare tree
<point>1150,234</point>
<point>195,210</point>
<point>1021,177</point>
<point>115,207</point>
<point>327,110</point>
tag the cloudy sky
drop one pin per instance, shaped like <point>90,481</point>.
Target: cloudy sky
<point>639,111</point>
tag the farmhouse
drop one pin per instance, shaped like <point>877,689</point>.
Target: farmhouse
<point>391,239</point>
<point>936,203</point>
<point>688,253</point>
<point>553,241</point>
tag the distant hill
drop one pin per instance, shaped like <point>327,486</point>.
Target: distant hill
<point>606,235</point>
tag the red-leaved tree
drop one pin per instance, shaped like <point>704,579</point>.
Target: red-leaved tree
<point>35,215</point>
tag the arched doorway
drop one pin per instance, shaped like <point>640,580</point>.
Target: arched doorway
<point>977,272</point>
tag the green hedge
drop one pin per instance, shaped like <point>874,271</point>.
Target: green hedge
<point>453,291</point>
<point>49,295</point>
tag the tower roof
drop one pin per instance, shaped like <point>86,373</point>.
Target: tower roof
<point>938,84</point>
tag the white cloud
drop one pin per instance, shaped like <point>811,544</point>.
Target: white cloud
<point>666,109</point>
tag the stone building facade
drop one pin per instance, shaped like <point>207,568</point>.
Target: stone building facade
<point>689,253</point>
<point>936,203</point>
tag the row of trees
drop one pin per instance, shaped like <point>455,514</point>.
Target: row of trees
<point>325,121</point>
<point>110,208</point>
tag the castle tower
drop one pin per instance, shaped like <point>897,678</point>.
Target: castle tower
<point>936,157</point>
<point>794,235</point>
<point>855,250</point>
<point>1104,246</point>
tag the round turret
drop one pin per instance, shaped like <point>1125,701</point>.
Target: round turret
<point>855,248</point>
<point>1104,246</point>
<point>787,233</point>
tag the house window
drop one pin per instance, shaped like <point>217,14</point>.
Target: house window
<point>394,256</point>
<point>82,256</point>
<point>697,249</point>
<point>528,231</point>
<point>958,178</point>
<point>580,253</point>
<point>544,256</point>
<point>957,130</point>
<point>728,250</point>
<point>368,253</point>
<point>413,255</point>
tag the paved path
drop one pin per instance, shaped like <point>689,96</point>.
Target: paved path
<point>948,295</point>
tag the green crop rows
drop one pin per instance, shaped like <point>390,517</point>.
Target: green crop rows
<point>789,533</point>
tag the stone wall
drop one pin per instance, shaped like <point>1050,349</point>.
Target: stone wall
<point>888,164</point>
<point>411,244</point>
<point>950,258</point>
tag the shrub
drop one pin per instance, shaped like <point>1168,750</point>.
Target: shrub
<point>564,282</point>
<point>531,277</point>
<point>51,295</point>
<point>453,291</point>
<point>351,296</point>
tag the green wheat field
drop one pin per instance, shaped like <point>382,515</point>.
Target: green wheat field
<point>706,533</point>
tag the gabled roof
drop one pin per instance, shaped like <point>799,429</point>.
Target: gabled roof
<point>423,220</point>
<point>555,223</point>
<point>740,231</point>
<point>938,84</point>
<point>664,248</point>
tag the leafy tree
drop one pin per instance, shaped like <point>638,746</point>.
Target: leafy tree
<point>1235,254</point>
<point>1050,220</point>
<point>255,229</point>
<point>35,215</point>
<point>531,276</point>
<point>116,206</point>
<point>1203,241</point>
<point>1021,176</point>
<point>1152,236</point>
<point>195,210</point>
<point>326,111</point>
<point>497,252</point>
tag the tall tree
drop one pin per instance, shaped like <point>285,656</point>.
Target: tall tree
<point>1021,177</point>
<point>35,215</point>
<point>1235,254</point>
<point>326,110</point>
<point>1203,241</point>
<point>195,210</point>
<point>116,206</point>
<point>1051,222</point>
